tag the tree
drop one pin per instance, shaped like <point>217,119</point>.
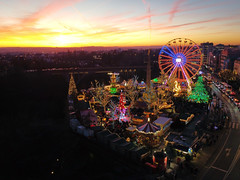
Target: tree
<point>150,96</point>
<point>101,95</point>
<point>199,93</point>
<point>72,90</point>
<point>171,82</point>
<point>131,91</point>
<point>227,75</point>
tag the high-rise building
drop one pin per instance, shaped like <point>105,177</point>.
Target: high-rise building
<point>236,68</point>
<point>219,47</point>
<point>228,56</point>
<point>214,58</point>
<point>206,49</point>
<point>224,59</point>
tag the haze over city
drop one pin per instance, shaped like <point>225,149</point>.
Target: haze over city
<point>77,23</point>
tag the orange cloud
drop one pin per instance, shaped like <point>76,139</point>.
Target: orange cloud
<point>51,8</point>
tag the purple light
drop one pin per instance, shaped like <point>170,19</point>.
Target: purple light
<point>184,73</point>
<point>172,72</point>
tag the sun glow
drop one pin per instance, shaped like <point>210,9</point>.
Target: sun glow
<point>77,23</point>
<point>64,40</point>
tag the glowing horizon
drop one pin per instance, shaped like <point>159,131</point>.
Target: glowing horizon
<point>81,23</point>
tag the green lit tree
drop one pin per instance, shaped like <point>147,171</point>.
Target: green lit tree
<point>199,93</point>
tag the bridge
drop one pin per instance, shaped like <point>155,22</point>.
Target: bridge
<point>86,70</point>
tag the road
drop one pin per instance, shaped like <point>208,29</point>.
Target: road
<point>225,164</point>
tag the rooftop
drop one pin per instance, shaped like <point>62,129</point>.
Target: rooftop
<point>162,120</point>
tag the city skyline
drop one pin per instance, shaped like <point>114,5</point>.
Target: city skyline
<point>78,23</point>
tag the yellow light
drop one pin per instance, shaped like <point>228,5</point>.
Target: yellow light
<point>52,172</point>
<point>63,40</point>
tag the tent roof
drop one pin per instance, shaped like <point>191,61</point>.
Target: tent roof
<point>148,128</point>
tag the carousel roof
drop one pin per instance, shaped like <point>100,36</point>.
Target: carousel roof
<point>148,128</point>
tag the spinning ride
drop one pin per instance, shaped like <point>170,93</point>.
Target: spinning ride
<point>181,57</point>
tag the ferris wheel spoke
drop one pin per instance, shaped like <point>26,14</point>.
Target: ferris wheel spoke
<point>185,72</point>
<point>181,47</point>
<point>185,48</point>
<point>174,50</point>
<point>170,51</point>
<point>173,72</point>
<point>193,55</point>
<point>178,72</point>
<point>197,62</point>
<point>170,69</point>
<point>193,60</point>
<point>166,59</point>
<point>167,66</point>
<point>191,52</point>
<point>166,56</point>
<point>177,48</point>
<point>166,63</point>
<point>193,64</point>
<point>191,67</point>
<point>189,49</point>
<point>189,71</point>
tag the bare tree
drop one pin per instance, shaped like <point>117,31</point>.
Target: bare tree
<point>101,95</point>
<point>150,96</point>
<point>171,83</point>
<point>132,91</point>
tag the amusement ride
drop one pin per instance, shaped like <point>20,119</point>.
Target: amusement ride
<point>180,57</point>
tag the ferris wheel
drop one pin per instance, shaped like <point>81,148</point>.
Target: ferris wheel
<point>181,58</point>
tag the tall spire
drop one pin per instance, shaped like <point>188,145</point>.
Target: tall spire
<point>72,90</point>
<point>148,78</point>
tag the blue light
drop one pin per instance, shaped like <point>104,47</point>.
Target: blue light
<point>190,151</point>
<point>179,59</point>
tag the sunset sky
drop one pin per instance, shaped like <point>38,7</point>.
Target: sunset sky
<point>76,23</point>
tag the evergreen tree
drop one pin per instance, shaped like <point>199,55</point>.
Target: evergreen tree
<point>72,90</point>
<point>199,93</point>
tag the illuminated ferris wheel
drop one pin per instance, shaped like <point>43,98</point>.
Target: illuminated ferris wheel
<point>181,58</point>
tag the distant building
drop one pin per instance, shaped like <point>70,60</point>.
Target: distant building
<point>206,49</point>
<point>228,56</point>
<point>219,47</point>
<point>236,68</point>
<point>215,60</point>
<point>224,59</point>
